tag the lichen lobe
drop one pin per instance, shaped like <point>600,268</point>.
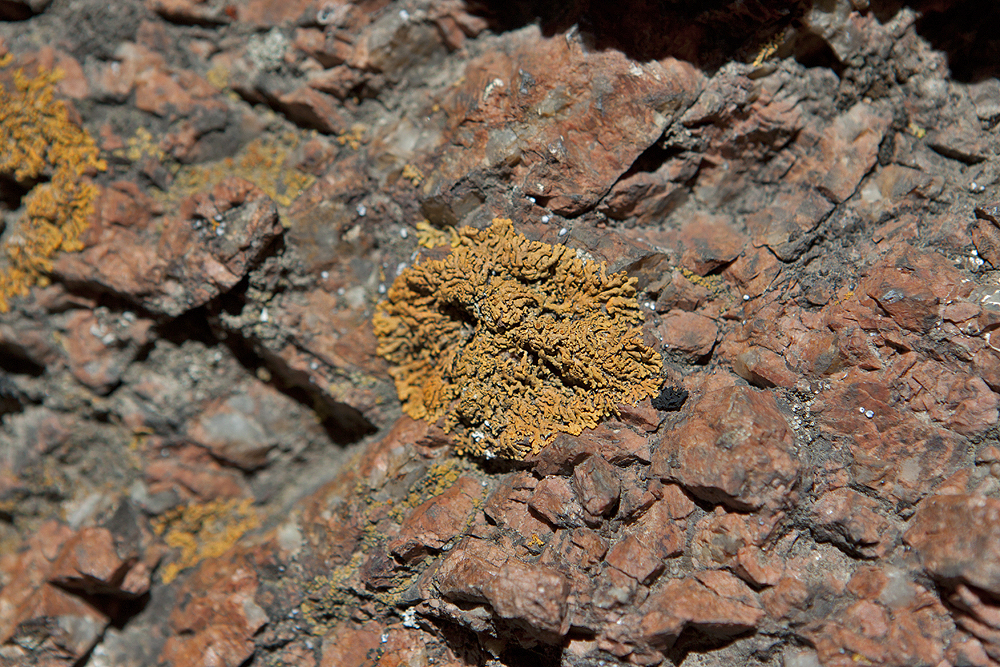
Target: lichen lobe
<point>507,342</point>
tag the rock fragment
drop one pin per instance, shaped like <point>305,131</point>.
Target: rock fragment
<point>958,540</point>
<point>735,447</point>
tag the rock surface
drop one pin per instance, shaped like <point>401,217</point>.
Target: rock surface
<point>203,459</point>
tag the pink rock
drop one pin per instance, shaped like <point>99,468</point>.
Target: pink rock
<point>217,615</point>
<point>555,500</point>
<point>690,334</point>
<point>597,485</point>
<point>958,539</point>
<point>436,521</point>
<point>635,559</point>
<point>189,261</point>
<point>714,602</point>
<point>853,521</point>
<point>531,595</point>
<point>734,447</point>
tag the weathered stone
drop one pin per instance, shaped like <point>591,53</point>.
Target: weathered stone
<point>734,447</point>
<point>198,255</point>
<point>530,117</point>
<point>218,616</point>
<point>834,158</point>
<point>556,501</point>
<point>786,227</point>
<point>245,427</point>
<point>691,334</point>
<point>530,595</point>
<point>597,485</point>
<point>350,643</point>
<point>713,602</point>
<point>436,521</point>
<point>853,522</point>
<point>634,559</point>
<point>90,562</point>
<point>99,349</point>
<point>958,539</point>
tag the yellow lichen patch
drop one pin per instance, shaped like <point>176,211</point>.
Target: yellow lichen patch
<point>41,143</point>
<point>430,236</point>
<point>353,137</point>
<point>507,342</point>
<point>412,174</point>
<point>203,530</point>
<point>139,146</point>
<point>263,162</point>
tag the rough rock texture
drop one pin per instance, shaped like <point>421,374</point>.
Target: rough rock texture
<point>205,460</point>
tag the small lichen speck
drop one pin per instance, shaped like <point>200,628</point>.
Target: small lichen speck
<point>506,342</point>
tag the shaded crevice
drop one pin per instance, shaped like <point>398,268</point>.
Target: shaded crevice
<point>704,33</point>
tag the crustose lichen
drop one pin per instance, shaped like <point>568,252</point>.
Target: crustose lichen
<point>507,342</point>
<point>40,142</point>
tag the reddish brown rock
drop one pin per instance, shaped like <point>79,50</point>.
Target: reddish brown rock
<point>762,367</point>
<point>729,540</point>
<point>507,506</point>
<point>49,584</point>
<point>350,643</point>
<point>192,473</point>
<point>198,255</point>
<point>91,562</point>
<point>581,548</point>
<point>313,109</point>
<point>597,485</point>
<point>555,500</point>
<point>612,440</point>
<point>217,615</point>
<point>436,521</point>
<point>468,568</point>
<point>835,157</point>
<point>785,226</point>
<point>679,293</point>
<point>99,349</point>
<point>854,522</point>
<point>690,334</point>
<point>634,559</point>
<point>895,622</point>
<point>979,616</point>
<point>734,447</point>
<point>714,602</point>
<point>958,539</point>
<point>661,530</point>
<point>532,596</point>
<point>537,101</point>
<point>710,242</point>
<point>245,427</point>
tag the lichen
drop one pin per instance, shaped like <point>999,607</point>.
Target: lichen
<point>266,162</point>
<point>507,342</point>
<point>45,150</point>
<point>203,530</point>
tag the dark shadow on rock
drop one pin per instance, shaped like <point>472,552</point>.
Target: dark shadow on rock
<point>967,32</point>
<point>702,32</point>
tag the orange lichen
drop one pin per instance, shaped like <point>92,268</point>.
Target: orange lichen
<point>265,162</point>
<point>203,530</point>
<point>507,342</point>
<point>41,142</point>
